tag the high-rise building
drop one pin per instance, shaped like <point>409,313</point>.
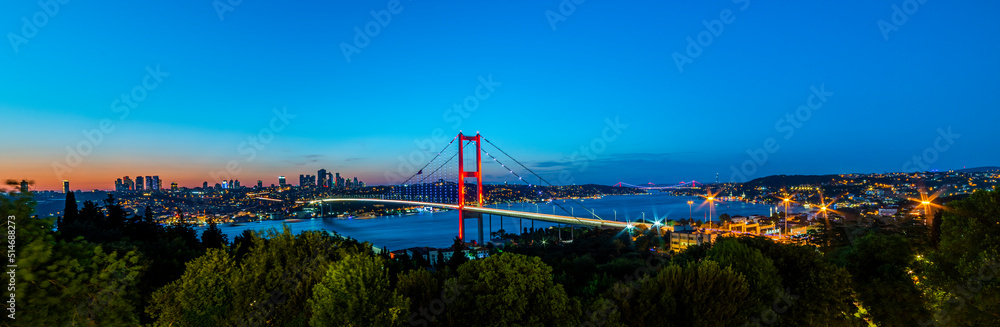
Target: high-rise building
<point>65,186</point>
<point>329,180</point>
<point>204,185</point>
<point>119,186</point>
<point>140,183</point>
<point>128,185</point>
<point>236,184</point>
<point>225,184</point>
<point>340,182</point>
<point>156,183</point>
<point>307,180</point>
<point>24,186</point>
<point>149,183</point>
<point>321,178</point>
<point>281,181</point>
<point>260,184</point>
<point>173,186</point>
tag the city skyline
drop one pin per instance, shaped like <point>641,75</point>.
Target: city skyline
<point>666,91</point>
<point>153,182</point>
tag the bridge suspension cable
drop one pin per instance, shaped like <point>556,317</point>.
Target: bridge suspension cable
<point>539,178</point>
<point>529,184</point>
<point>439,167</point>
<point>419,171</point>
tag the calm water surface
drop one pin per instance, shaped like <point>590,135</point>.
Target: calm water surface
<point>437,229</point>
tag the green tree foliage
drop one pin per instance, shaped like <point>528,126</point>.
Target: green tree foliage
<point>880,265</point>
<point>509,290</point>
<point>68,283</point>
<point>420,287</point>
<point>242,244</point>
<point>70,212</point>
<point>356,292</point>
<point>701,294</point>
<point>457,255</point>
<point>819,292</point>
<point>276,278</point>
<point>203,296</point>
<point>966,266</point>
<point>576,273</point>
<point>761,275</point>
<point>271,286</point>
<point>693,253</point>
<point>213,237</point>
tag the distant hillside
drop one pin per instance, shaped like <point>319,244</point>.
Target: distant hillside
<point>978,169</point>
<point>786,180</point>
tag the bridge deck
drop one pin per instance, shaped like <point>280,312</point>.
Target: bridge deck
<point>494,211</point>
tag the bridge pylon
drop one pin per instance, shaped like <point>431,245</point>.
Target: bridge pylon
<point>462,175</point>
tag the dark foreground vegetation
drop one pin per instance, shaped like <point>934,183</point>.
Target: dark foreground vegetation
<point>95,266</point>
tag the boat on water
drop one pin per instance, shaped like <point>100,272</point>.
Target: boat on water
<point>366,216</point>
<point>292,220</point>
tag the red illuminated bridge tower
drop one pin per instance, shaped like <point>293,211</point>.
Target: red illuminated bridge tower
<point>462,175</point>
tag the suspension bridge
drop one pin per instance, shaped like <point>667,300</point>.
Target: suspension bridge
<point>442,183</point>
<point>683,185</point>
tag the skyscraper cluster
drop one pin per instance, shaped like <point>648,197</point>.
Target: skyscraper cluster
<point>307,180</point>
<point>326,179</point>
<point>148,183</point>
<point>224,185</point>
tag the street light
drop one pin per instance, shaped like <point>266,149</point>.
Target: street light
<point>711,207</point>
<point>786,200</point>
<point>927,201</point>
<point>690,210</point>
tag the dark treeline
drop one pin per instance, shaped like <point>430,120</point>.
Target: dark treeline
<point>96,266</point>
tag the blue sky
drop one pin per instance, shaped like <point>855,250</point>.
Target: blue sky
<point>553,89</point>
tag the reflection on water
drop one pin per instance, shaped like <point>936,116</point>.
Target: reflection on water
<point>438,229</point>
